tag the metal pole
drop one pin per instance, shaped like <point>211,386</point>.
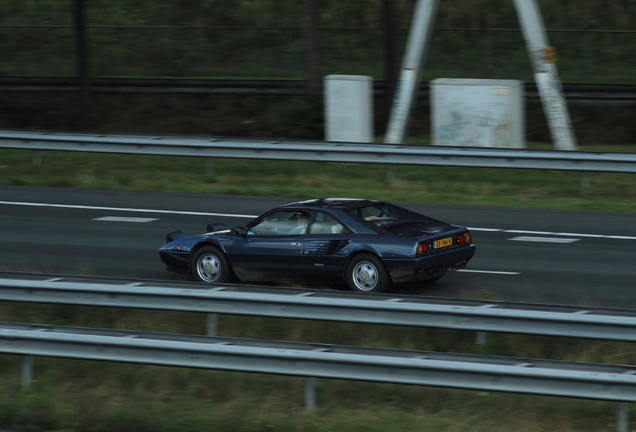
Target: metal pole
<point>586,181</point>
<point>419,37</point>
<point>188,48</point>
<point>209,166</point>
<point>310,394</point>
<point>211,325</point>
<point>480,339</point>
<point>543,58</point>
<point>27,371</point>
<point>622,417</point>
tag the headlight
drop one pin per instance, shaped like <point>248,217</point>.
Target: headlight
<point>177,248</point>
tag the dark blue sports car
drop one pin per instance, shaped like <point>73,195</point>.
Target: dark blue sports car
<point>368,244</point>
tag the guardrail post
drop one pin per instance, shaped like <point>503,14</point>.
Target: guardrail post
<point>390,173</point>
<point>27,371</point>
<point>586,181</point>
<point>211,325</point>
<point>310,394</point>
<point>622,417</point>
<point>480,339</point>
<point>209,166</point>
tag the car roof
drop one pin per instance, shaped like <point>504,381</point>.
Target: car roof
<point>330,203</point>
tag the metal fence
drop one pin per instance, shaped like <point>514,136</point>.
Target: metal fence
<point>598,56</point>
<point>320,151</point>
<point>385,309</point>
<point>462,371</point>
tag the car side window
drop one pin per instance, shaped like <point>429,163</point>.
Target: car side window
<point>326,224</point>
<point>281,223</point>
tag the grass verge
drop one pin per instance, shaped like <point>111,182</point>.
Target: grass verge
<point>73,395</point>
<point>440,185</point>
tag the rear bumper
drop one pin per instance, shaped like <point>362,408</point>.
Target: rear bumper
<point>427,267</point>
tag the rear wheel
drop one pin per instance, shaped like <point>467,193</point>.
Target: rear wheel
<point>365,273</point>
<point>210,265</point>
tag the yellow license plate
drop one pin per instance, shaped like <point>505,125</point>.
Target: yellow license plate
<point>443,242</point>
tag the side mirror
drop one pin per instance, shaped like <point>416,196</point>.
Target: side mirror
<point>240,230</point>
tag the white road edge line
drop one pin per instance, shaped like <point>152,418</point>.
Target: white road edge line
<point>546,233</point>
<point>190,213</point>
<point>127,209</point>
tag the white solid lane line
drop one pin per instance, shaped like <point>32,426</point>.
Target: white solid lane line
<point>544,239</point>
<point>547,233</point>
<point>124,219</point>
<point>127,209</point>
<point>614,237</point>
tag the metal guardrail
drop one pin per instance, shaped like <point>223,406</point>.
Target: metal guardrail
<point>320,151</point>
<point>572,91</point>
<point>473,372</point>
<point>386,309</point>
<point>461,371</point>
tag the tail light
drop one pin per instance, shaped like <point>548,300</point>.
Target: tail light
<point>422,248</point>
<point>464,238</point>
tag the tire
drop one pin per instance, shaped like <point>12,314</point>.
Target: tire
<point>210,265</point>
<point>366,273</point>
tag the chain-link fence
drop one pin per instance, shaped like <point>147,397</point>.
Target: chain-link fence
<point>593,56</point>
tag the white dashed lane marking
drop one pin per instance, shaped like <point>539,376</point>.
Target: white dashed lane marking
<point>489,272</point>
<point>124,219</point>
<point>544,239</point>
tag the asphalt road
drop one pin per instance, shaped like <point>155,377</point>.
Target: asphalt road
<point>546,256</point>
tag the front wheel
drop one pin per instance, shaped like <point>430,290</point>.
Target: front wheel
<point>210,265</point>
<point>365,273</point>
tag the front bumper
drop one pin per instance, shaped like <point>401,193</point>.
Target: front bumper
<point>429,266</point>
<point>176,261</point>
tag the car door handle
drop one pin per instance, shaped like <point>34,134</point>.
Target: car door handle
<point>296,244</point>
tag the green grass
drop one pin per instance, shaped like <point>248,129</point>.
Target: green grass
<point>440,185</point>
<point>90,396</point>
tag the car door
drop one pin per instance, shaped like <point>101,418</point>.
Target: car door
<point>272,248</point>
<point>325,250</point>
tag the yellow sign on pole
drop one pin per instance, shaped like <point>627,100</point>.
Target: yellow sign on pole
<point>549,54</point>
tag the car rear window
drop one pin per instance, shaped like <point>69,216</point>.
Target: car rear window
<point>378,214</point>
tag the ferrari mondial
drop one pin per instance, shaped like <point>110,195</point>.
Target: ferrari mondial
<point>370,245</point>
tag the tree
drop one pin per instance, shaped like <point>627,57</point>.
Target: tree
<point>79,9</point>
<point>311,13</point>
<point>390,52</point>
